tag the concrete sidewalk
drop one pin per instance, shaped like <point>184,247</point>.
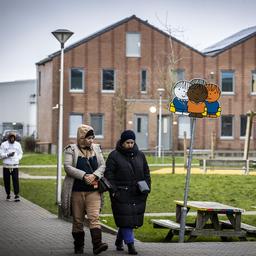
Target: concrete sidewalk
<point>27,229</point>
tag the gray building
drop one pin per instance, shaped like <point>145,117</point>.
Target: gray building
<point>18,107</point>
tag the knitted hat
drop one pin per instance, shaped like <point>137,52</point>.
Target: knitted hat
<point>127,135</point>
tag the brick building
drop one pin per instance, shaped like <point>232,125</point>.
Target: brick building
<point>111,80</point>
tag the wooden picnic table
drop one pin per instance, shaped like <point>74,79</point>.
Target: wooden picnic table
<point>207,221</point>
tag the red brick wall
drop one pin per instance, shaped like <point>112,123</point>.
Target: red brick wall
<point>108,51</point>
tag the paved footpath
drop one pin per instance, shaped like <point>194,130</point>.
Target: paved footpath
<point>27,229</point>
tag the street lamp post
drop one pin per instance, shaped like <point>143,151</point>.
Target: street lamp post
<point>62,35</point>
<point>160,91</point>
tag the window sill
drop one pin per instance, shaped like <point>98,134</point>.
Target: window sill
<point>226,138</point>
<point>108,91</point>
<point>99,137</point>
<point>76,91</point>
<point>227,93</point>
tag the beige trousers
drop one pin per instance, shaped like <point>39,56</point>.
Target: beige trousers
<point>85,203</point>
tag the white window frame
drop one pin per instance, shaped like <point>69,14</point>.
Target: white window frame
<point>227,137</point>
<point>70,80</point>
<point>104,90</point>
<point>74,135</point>
<point>233,84</point>
<point>130,36</point>
<point>98,136</point>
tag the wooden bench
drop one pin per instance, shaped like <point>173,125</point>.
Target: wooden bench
<point>244,165</point>
<point>173,227</point>
<point>250,230</point>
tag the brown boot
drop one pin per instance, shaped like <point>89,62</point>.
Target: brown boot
<point>98,246</point>
<point>78,242</point>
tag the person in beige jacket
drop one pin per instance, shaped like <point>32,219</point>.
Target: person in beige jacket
<point>84,166</point>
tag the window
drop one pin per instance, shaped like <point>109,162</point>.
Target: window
<point>143,81</point>
<point>108,80</point>
<point>243,123</point>
<point>132,44</point>
<point>253,88</point>
<point>184,126</point>
<point>227,126</point>
<point>180,74</point>
<point>227,81</point>
<point>74,121</point>
<point>97,124</point>
<point>138,125</point>
<point>76,80</point>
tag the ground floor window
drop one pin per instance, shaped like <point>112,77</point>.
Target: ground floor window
<point>184,126</point>
<point>227,126</point>
<point>74,121</point>
<point>97,124</point>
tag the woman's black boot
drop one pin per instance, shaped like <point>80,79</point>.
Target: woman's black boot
<point>78,242</point>
<point>98,245</point>
<point>119,245</point>
<point>131,249</point>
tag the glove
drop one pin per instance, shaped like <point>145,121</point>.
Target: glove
<point>11,154</point>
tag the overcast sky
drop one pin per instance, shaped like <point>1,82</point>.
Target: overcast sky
<point>26,25</point>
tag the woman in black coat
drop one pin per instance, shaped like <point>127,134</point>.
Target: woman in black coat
<point>125,166</point>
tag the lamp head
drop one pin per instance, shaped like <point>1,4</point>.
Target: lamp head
<point>62,35</point>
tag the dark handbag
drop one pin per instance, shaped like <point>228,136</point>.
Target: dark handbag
<point>143,187</point>
<point>104,185</point>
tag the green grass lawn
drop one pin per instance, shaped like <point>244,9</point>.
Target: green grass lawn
<point>41,171</point>
<point>235,190</point>
<point>51,159</point>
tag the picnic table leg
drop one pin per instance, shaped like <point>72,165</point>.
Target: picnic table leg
<point>169,236</point>
<point>178,212</point>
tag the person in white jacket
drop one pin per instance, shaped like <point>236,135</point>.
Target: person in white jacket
<point>11,153</point>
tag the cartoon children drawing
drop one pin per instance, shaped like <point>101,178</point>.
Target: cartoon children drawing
<point>179,105</point>
<point>197,94</point>
<point>212,105</point>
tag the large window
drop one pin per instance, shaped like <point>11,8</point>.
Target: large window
<point>184,126</point>
<point>227,126</point>
<point>143,81</point>
<point>97,124</point>
<point>253,84</point>
<point>74,121</point>
<point>133,44</point>
<point>108,80</point>
<point>76,80</point>
<point>227,81</point>
<point>243,123</point>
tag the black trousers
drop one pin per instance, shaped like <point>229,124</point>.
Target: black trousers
<point>7,173</point>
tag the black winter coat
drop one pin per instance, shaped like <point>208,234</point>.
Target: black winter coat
<point>123,169</point>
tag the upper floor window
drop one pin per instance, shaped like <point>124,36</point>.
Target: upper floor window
<point>97,123</point>
<point>227,81</point>
<point>76,79</point>
<point>133,44</point>
<point>253,83</point>
<point>243,123</point>
<point>143,81</point>
<point>108,80</point>
<point>227,126</point>
<point>74,121</point>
